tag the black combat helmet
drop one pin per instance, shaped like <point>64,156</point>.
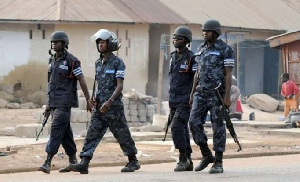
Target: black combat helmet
<point>212,25</point>
<point>60,36</point>
<point>185,32</point>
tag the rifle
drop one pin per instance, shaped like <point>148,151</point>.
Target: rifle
<point>93,94</point>
<point>229,124</point>
<point>167,128</point>
<point>46,116</point>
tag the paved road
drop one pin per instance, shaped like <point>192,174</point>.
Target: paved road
<point>271,168</point>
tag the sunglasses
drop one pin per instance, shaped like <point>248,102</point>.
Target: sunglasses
<point>176,37</point>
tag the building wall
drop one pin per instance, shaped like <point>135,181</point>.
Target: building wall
<point>158,34</point>
<point>24,59</point>
<point>24,54</point>
<point>291,56</point>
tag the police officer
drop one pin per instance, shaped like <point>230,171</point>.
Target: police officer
<point>215,63</point>
<point>181,73</point>
<point>109,108</point>
<point>63,72</point>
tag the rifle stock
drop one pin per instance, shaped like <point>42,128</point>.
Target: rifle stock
<point>46,116</point>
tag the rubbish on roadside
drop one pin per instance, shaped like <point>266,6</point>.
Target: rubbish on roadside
<point>175,158</point>
<point>252,116</point>
<point>294,119</point>
<point>139,154</point>
<point>3,154</point>
<point>61,155</point>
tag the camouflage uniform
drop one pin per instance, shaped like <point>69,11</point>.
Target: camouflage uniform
<point>61,96</point>
<point>181,73</point>
<point>211,62</point>
<point>114,118</point>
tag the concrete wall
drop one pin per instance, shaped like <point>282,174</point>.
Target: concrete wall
<point>25,60</point>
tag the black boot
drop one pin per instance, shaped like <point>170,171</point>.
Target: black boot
<point>82,167</point>
<point>72,160</point>
<point>206,159</point>
<point>184,162</point>
<point>47,164</point>
<point>132,165</point>
<point>218,164</point>
<point>191,166</point>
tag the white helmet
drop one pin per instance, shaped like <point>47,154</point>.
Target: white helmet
<point>112,40</point>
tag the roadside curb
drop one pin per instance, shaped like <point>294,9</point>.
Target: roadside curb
<point>146,162</point>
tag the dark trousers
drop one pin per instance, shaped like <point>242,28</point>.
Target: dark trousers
<point>180,129</point>
<point>201,105</point>
<point>61,132</point>
<point>115,120</point>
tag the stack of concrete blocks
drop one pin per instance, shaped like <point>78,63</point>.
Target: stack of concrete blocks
<point>31,130</point>
<point>138,112</point>
<point>80,119</point>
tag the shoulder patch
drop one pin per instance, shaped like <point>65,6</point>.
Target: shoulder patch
<point>217,53</point>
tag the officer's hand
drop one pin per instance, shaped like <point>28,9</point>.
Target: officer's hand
<point>291,96</point>
<point>105,107</point>
<point>90,104</point>
<point>227,102</point>
<point>47,110</point>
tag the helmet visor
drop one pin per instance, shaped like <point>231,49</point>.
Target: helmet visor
<point>102,34</point>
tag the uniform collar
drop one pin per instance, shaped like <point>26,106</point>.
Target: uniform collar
<point>62,56</point>
<point>108,58</point>
<point>185,51</point>
<point>217,44</point>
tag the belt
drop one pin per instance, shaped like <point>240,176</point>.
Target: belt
<point>201,90</point>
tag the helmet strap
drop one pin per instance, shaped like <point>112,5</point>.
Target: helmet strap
<point>215,34</point>
<point>50,52</point>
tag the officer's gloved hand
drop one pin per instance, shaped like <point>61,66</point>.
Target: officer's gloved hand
<point>291,96</point>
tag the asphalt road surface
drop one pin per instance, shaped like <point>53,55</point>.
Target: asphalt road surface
<point>270,168</point>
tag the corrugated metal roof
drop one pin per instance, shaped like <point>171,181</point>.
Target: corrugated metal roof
<point>285,38</point>
<point>28,10</point>
<point>153,11</point>
<point>126,11</point>
<point>254,14</point>
<point>95,10</point>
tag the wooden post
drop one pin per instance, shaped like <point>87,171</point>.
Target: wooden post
<point>238,63</point>
<point>160,79</point>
